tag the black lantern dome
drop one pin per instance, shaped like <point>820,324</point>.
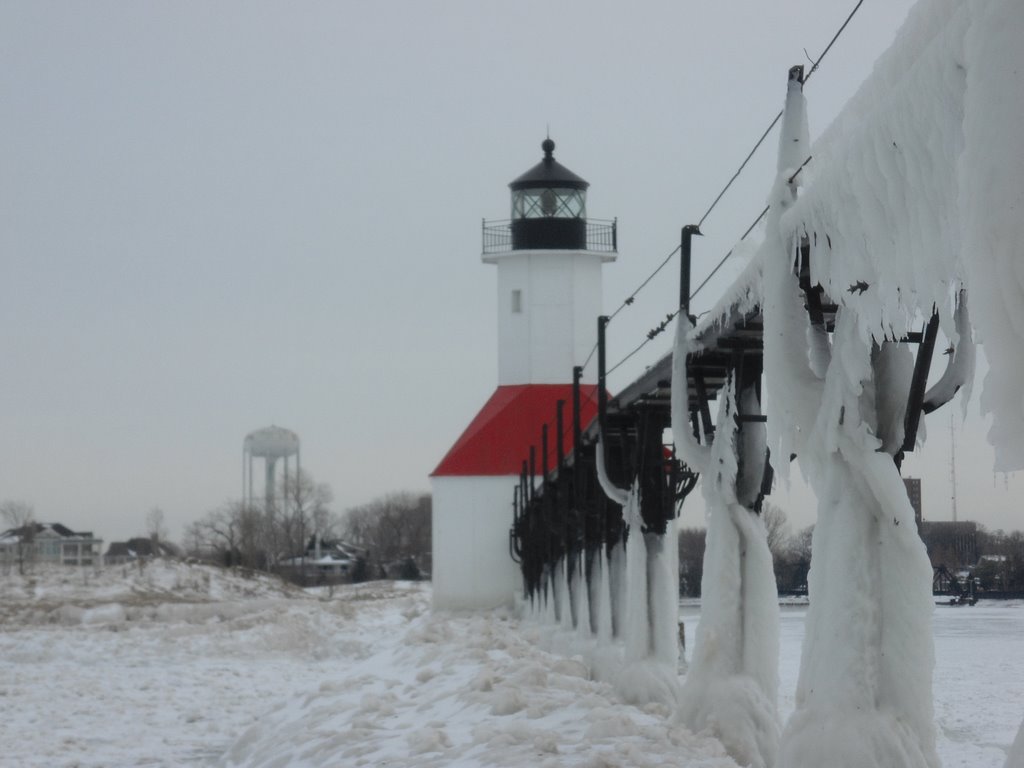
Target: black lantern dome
<point>549,206</point>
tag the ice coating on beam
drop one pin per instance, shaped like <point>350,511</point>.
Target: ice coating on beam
<point>959,373</point>
<point>644,602</point>
<point>650,662</point>
<point>880,202</point>
<point>864,696</point>
<point>732,683</point>
<point>739,299</point>
<point>637,634</point>
<point>992,213</point>
<point>915,191</point>
<point>690,452</point>
<point>619,495</point>
<point>731,688</point>
<point>792,367</point>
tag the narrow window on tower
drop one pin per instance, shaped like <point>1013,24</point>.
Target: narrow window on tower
<point>517,302</point>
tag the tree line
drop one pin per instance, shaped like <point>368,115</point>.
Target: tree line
<point>390,536</point>
<point>993,559</point>
<point>1001,567</point>
<point>387,537</point>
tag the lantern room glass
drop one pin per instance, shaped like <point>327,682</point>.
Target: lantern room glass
<point>549,203</point>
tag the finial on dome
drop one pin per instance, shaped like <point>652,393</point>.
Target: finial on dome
<point>549,147</point>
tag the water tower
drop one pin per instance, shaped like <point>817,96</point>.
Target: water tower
<point>270,444</point>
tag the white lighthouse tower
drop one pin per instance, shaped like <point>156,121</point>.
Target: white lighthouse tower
<point>549,258</point>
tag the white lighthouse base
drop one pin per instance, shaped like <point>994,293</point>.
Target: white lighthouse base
<point>472,516</point>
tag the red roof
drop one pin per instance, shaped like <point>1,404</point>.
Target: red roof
<point>498,440</point>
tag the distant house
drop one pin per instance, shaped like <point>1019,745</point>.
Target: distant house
<point>325,557</point>
<point>50,543</point>
<point>121,552</point>
<point>998,559</point>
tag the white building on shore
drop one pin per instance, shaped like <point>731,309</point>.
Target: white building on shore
<point>549,258</point>
<point>49,543</point>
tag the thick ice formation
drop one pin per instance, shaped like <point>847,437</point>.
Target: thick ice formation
<point>879,217</point>
<point>623,618</point>
<point>992,212</point>
<point>645,578</point>
<point>1015,758</point>
<point>959,373</point>
<point>637,632</point>
<point>913,201</point>
<point>864,696</point>
<point>732,684</point>
<point>915,190</point>
<point>792,366</point>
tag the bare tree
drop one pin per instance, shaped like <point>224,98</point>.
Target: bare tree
<point>217,534</point>
<point>256,535</point>
<point>793,561</point>
<point>156,528</point>
<point>305,512</point>
<point>774,519</point>
<point>194,541</point>
<point>393,528</point>
<point>20,516</point>
<point>259,536</point>
<point>692,543</point>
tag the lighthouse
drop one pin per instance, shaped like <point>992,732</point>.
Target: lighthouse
<point>549,257</point>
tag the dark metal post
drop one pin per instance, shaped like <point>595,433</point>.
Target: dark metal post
<point>522,484</point>
<point>602,390</point>
<point>514,530</point>
<point>918,384</point>
<point>577,424</point>
<point>560,426</point>
<point>702,404</point>
<point>685,268</point>
<point>533,471</point>
<point>544,454</point>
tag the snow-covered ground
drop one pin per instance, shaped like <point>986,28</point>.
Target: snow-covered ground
<point>184,664</point>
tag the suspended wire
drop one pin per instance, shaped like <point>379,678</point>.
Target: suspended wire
<point>656,331</point>
<point>775,120</point>
<point>628,301</point>
<point>670,317</point>
<point>651,336</point>
<point>589,357</point>
<point>587,399</point>
<point>731,250</point>
<point>750,229</point>
<point>832,42</point>
<point>632,297</point>
<point>739,170</point>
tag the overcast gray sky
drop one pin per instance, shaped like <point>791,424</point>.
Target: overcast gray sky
<point>219,216</point>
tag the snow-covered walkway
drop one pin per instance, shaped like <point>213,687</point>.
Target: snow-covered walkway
<point>188,665</point>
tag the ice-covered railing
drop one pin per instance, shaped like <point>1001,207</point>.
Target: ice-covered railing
<point>732,685</point>
<point>904,211</point>
<point>910,204</point>
<point>597,547</point>
<point>915,191</point>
